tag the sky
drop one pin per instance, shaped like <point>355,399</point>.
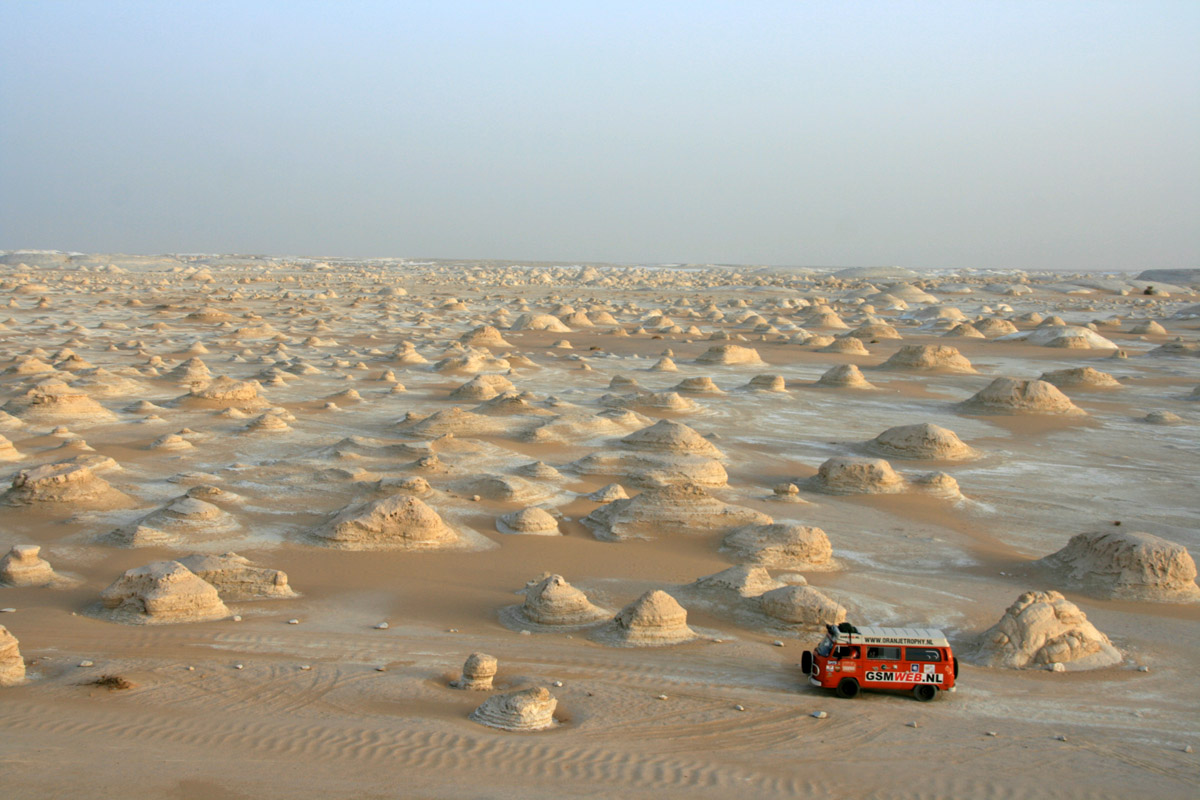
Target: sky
<point>1045,135</point>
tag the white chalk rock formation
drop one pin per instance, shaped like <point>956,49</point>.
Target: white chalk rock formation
<point>162,592</point>
<point>669,436</point>
<point>526,710</point>
<point>67,483</point>
<point>802,605</point>
<point>1044,628</point>
<point>237,579</point>
<point>849,475</point>
<point>23,566</point>
<point>844,376</point>
<point>397,522</point>
<point>53,401</point>
<point>8,451</point>
<point>539,322</point>
<point>681,508</point>
<point>783,545</point>
<point>530,521</point>
<point>554,603</point>
<point>185,520</point>
<point>743,581</point>
<point>929,357</point>
<point>1010,396</point>
<point>922,441</point>
<point>1067,336</point>
<point>1127,565</point>
<point>766,383</point>
<point>12,665</point>
<point>729,354</point>
<point>482,387</point>
<point>225,392</point>
<point>1081,377</point>
<point>477,673</point>
<point>654,619</point>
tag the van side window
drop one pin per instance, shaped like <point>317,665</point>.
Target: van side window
<point>884,653</point>
<point>922,654</point>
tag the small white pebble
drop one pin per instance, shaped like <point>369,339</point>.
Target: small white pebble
<point>557,684</point>
<point>383,626</point>
<point>526,633</point>
<point>305,667</point>
<point>912,724</point>
<point>777,643</point>
<point>1057,666</point>
<point>191,669</point>
<point>474,498</point>
<point>452,630</point>
<point>717,641</point>
<point>739,707</point>
<point>238,666</point>
<point>381,668</point>
<point>992,733</point>
<point>293,622</point>
<point>8,611</point>
<point>662,697</point>
<point>1187,748</point>
<point>1060,738</point>
<point>820,715</point>
<point>86,663</point>
<point>236,618</point>
<point>1143,668</point>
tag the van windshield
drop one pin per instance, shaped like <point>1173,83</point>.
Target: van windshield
<point>824,647</point>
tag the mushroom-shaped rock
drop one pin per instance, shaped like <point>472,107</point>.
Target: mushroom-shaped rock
<point>681,508</point>
<point>921,441</point>
<point>12,665</point>
<point>766,383</point>
<point>1082,378</point>
<point>23,566</point>
<point>162,592</point>
<point>1010,396</point>
<point>697,386</point>
<point>477,673</point>
<point>654,619</point>
<point>1128,565</point>
<point>396,522</point>
<point>1044,628</point>
<point>532,520</point>
<point>744,581</point>
<point>938,357</point>
<point>555,603</point>
<point>526,710</point>
<point>236,578</point>
<point>184,520</point>
<point>783,545</point>
<point>483,336</point>
<point>729,354</point>
<point>847,475</point>
<point>846,345</point>
<point>844,376</point>
<point>802,605</point>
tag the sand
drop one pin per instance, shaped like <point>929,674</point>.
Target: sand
<point>385,435</point>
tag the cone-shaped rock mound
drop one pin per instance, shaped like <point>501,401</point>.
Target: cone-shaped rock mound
<point>683,508</point>
<point>237,579</point>
<point>184,520</point>
<point>921,441</point>
<point>53,401</point>
<point>225,392</point>
<point>532,520</point>
<point>669,436</point>
<point>744,581</point>
<point>526,710</point>
<point>844,376</point>
<point>1011,396</point>
<point>802,605</point>
<point>1128,565</point>
<point>552,602</point>
<point>12,665</point>
<point>652,620</point>
<point>928,357</point>
<point>162,592</point>
<point>848,475</point>
<point>1044,628</point>
<point>783,545</point>
<point>729,354</point>
<point>1081,377</point>
<point>482,387</point>
<point>399,522</point>
<point>64,483</point>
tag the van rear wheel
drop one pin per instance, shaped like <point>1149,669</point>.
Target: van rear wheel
<point>925,692</point>
<point>847,688</point>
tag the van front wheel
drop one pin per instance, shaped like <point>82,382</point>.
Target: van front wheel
<point>847,688</point>
<point>925,692</point>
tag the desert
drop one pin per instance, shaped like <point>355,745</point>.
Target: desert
<point>270,516</point>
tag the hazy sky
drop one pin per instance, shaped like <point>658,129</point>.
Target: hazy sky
<point>1032,135</point>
